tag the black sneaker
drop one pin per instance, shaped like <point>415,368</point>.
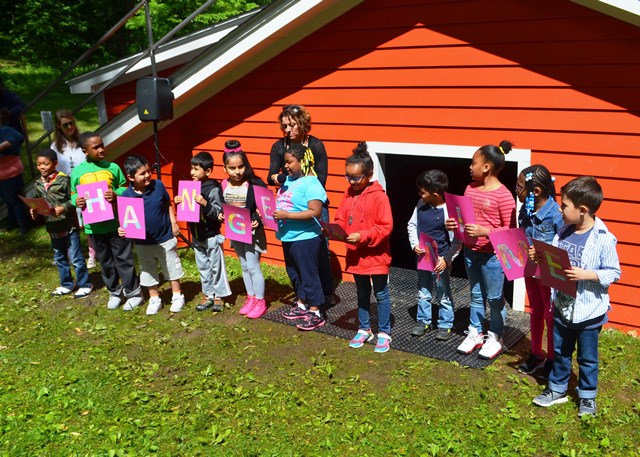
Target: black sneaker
<point>211,304</point>
<point>311,322</point>
<point>546,369</point>
<point>530,365</point>
<point>443,334</point>
<point>420,329</point>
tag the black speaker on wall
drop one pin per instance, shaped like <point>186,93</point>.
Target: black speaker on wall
<point>154,99</point>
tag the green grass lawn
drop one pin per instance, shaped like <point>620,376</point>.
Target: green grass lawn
<point>76,379</point>
<point>27,81</point>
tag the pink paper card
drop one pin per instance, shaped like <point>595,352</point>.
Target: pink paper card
<point>512,250</point>
<point>188,209</point>
<point>237,223</point>
<point>460,208</point>
<point>553,261</point>
<point>429,259</point>
<point>98,209</point>
<point>40,205</point>
<point>131,217</point>
<point>266,203</point>
<point>334,231</point>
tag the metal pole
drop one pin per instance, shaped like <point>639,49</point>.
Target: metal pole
<point>154,73</point>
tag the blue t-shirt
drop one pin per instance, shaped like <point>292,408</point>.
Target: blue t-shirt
<point>156,212</point>
<point>294,196</point>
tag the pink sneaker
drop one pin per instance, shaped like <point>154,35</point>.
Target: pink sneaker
<point>258,310</point>
<point>249,303</point>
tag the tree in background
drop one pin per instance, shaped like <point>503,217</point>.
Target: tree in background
<point>56,32</point>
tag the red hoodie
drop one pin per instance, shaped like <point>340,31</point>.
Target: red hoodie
<point>370,215</point>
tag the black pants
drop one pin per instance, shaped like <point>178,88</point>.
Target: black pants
<point>115,255</point>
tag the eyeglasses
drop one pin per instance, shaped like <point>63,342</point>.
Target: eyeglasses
<point>519,188</point>
<point>354,179</point>
<point>66,125</point>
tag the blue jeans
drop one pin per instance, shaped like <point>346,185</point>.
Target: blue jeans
<point>381,292</point>
<point>565,340</point>
<point>443,296</point>
<point>302,261</point>
<point>486,281</point>
<point>71,245</point>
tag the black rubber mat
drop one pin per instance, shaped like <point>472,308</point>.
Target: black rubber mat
<point>342,320</point>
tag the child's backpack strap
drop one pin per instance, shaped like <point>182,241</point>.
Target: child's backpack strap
<point>223,184</point>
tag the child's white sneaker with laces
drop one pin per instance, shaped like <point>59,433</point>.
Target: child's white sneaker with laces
<point>177,303</point>
<point>472,342</point>
<point>155,305</point>
<point>133,302</point>
<point>491,348</point>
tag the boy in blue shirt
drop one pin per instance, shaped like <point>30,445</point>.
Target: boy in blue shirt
<point>160,246</point>
<point>428,217</point>
<point>594,266</point>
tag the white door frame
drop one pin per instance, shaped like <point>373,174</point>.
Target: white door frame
<point>521,156</point>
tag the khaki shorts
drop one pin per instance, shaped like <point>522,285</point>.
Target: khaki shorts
<point>165,256</point>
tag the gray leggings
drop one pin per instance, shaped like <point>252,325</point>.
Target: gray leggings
<point>251,273</point>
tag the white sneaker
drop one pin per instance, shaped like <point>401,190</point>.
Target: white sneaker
<point>472,342</point>
<point>177,303</point>
<point>155,305</point>
<point>114,302</point>
<point>83,292</point>
<point>60,291</point>
<point>91,263</point>
<point>133,302</point>
<point>491,348</point>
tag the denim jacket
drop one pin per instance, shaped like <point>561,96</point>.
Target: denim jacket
<point>592,299</point>
<point>543,224</point>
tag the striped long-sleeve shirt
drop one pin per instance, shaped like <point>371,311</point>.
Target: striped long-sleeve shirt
<point>600,256</point>
<point>495,209</point>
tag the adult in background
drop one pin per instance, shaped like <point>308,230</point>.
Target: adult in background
<point>15,106</point>
<point>11,169</point>
<point>295,123</point>
<point>66,144</point>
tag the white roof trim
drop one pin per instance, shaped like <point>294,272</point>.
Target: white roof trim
<point>625,10</point>
<point>265,35</point>
<point>174,53</point>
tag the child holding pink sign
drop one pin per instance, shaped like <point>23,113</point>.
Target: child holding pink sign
<point>114,254</point>
<point>159,248</point>
<point>238,190</point>
<point>578,320</point>
<point>541,219</point>
<point>429,217</point>
<point>365,214</point>
<point>207,239</point>
<point>55,187</point>
<point>494,210</point>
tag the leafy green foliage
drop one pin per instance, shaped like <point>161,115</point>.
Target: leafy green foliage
<point>76,379</point>
<point>53,32</point>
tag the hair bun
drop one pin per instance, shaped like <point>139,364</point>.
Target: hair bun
<point>505,146</point>
<point>361,149</point>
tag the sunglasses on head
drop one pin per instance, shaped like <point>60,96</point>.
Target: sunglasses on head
<point>66,125</point>
<point>291,108</point>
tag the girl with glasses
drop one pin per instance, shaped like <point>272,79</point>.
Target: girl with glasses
<point>67,147</point>
<point>365,214</point>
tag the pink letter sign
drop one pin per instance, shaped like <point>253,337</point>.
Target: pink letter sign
<point>98,209</point>
<point>334,231</point>
<point>512,250</point>
<point>188,209</point>
<point>553,262</point>
<point>40,205</point>
<point>429,259</point>
<point>266,203</point>
<point>237,223</point>
<point>131,216</point>
<point>460,208</point>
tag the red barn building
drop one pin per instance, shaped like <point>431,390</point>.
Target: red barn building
<point>426,83</point>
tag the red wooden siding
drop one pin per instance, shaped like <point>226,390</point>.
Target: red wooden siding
<point>552,76</point>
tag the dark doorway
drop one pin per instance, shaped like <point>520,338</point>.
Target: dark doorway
<point>400,173</point>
